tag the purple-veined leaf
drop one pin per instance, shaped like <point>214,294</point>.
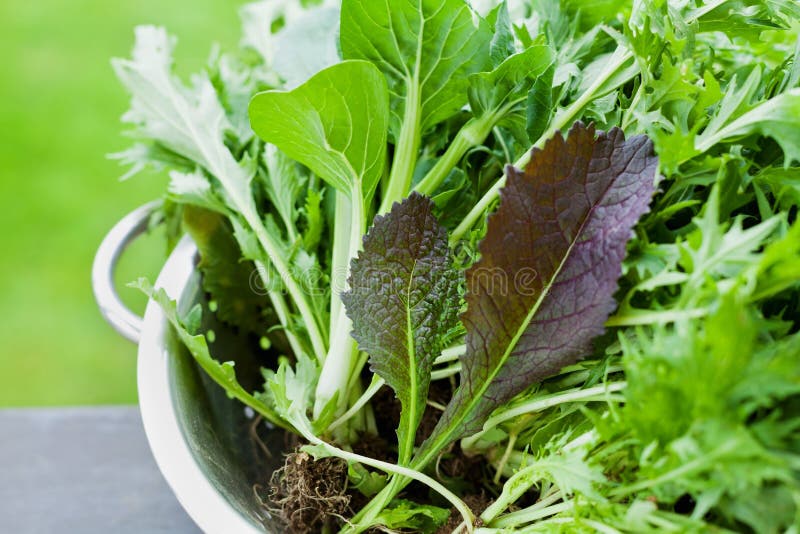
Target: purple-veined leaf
<point>550,260</point>
<point>403,300</point>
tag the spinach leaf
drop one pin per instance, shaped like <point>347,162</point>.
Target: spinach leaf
<point>403,300</point>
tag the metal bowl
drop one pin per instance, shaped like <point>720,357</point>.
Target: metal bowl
<point>202,441</point>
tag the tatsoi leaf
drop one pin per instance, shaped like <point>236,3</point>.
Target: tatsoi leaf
<point>403,300</point>
<point>334,124</point>
<point>426,48</point>
<point>549,266</point>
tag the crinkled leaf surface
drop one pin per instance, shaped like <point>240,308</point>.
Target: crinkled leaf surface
<point>335,124</point>
<point>403,300</point>
<point>426,48</point>
<point>549,266</point>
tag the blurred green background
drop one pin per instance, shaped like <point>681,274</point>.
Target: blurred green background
<point>59,116</point>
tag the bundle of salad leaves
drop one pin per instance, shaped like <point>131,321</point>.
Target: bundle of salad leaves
<point>561,235</point>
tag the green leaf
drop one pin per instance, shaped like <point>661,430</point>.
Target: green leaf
<point>402,514</point>
<point>226,276</point>
<point>403,300</point>
<point>313,218</point>
<point>221,373</point>
<point>189,121</point>
<point>539,109</point>
<point>367,482</point>
<point>507,87</point>
<point>777,117</point>
<point>335,124</point>
<point>284,186</point>
<point>194,189</point>
<point>502,44</point>
<point>291,390</point>
<point>426,49</point>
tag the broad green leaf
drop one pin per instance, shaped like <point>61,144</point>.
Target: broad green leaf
<point>508,85</point>
<point>426,49</point>
<point>517,94</point>
<point>403,300</point>
<point>544,285</point>
<point>335,124</point>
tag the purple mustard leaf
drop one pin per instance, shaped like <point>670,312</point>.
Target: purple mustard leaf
<point>550,260</point>
<point>404,298</point>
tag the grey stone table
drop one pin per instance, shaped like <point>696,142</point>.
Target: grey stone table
<point>82,470</point>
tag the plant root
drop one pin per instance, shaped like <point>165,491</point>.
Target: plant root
<point>309,494</point>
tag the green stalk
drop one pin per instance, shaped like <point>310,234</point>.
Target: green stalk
<point>295,291</point>
<point>340,259</point>
<point>339,363</point>
<point>216,160</point>
<point>280,307</point>
<point>405,154</point>
<point>472,134</point>
<point>568,115</point>
<point>396,470</point>
<point>598,393</point>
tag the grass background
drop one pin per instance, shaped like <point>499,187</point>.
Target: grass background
<point>59,115</point>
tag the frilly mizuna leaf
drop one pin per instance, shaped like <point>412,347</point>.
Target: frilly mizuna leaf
<point>403,300</point>
<point>549,266</point>
<point>335,124</point>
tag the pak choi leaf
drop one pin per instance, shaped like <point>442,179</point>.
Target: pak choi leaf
<point>426,48</point>
<point>404,298</point>
<point>334,124</point>
<point>549,266</point>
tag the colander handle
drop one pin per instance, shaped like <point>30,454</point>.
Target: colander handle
<point>115,312</point>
